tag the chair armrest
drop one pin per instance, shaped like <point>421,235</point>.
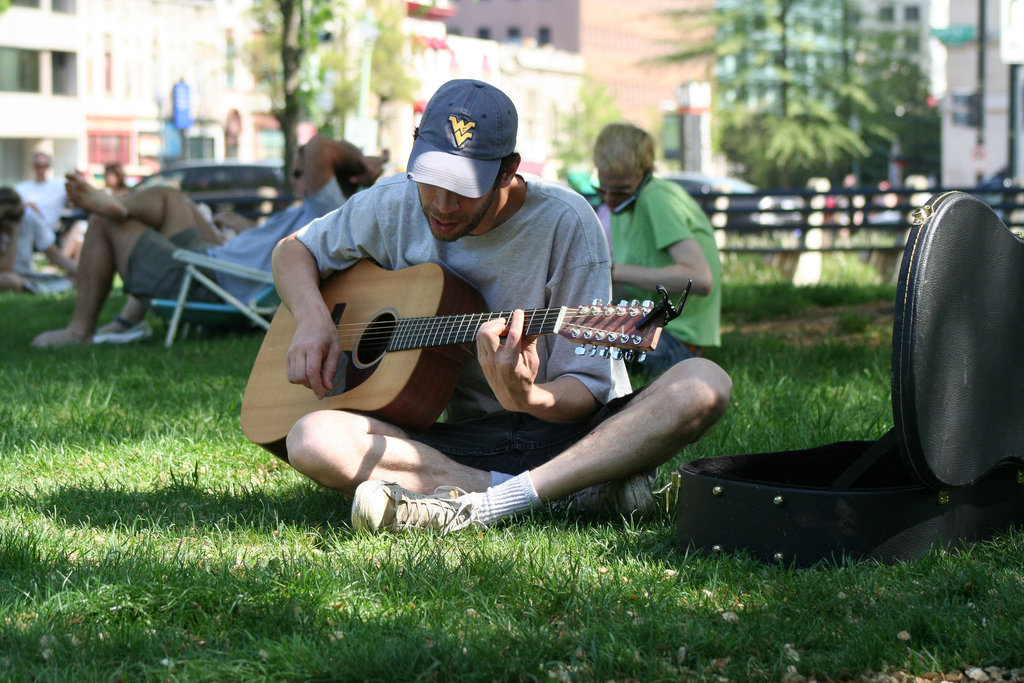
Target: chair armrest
<point>204,261</point>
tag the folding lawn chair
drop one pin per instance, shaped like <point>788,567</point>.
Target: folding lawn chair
<point>230,312</point>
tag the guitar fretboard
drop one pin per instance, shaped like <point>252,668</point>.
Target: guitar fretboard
<point>421,333</point>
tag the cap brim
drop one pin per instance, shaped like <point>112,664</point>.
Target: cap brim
<point>461,175</point>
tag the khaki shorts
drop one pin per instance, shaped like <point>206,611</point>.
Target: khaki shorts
<point>154,274</point>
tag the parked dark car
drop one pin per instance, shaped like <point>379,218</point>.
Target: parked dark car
<point>738,201</point>
<point>249,188</point>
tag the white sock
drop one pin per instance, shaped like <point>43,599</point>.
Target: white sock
<point>514,495</point>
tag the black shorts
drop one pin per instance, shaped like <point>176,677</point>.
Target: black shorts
<point>513,442</point>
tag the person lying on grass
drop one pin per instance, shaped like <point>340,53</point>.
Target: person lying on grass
<point>136,234</point>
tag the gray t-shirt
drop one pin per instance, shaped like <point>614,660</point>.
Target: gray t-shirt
<point>551,252</point>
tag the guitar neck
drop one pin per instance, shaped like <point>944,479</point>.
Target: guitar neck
<point>421,333</point>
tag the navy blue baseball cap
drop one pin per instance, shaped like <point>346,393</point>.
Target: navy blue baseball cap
<point>467,127</point>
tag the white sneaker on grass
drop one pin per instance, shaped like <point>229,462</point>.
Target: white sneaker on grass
<point>381,506</point>
<point>632,496</point>
<point>134,333</point>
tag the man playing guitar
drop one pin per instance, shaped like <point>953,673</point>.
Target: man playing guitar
<point>531,420</point>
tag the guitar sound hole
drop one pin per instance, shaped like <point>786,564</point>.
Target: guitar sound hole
<point>374,341</point>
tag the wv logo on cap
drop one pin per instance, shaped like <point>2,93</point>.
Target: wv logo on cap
<point>463,130</point>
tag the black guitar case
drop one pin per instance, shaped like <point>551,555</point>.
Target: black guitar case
<point>951,470</point>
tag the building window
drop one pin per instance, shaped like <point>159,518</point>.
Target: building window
<point>514,34</point>
<point>887,13</point>
<point>269,143</point>
<point>19,70</point>
<point>912,14</point>
<point>108,148</point>
<point>483,33</point>
<point>65,73</point>
<point>64,6</point>
<point>543,35</point>
<point>25,3</point>
<point>912,43</point>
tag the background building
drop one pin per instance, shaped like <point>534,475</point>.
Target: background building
<point>144,82</point>
<point>619,43</point>
<point>108,82</point>
<point>975,121</point>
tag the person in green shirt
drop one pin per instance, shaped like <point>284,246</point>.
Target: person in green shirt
<point>658,235</point>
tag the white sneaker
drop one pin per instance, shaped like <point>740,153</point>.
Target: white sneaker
<point>380,506</point>
<point>632,496</point>
<point>134,333</point>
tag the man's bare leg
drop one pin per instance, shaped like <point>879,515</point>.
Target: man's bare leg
<point>164,209</point>
<point>105,250</point>
<point>132,313</point>
<point>340,450</point>
<point>673,412</point>
<point>670,414</point>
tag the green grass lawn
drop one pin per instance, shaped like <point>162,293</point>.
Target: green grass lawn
<point>143,538</point>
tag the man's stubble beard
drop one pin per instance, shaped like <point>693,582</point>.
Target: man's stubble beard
<point>472,224</point>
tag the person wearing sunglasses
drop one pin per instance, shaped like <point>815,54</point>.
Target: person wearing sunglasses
<point>659,235</point>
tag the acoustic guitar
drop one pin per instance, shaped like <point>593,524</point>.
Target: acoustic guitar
<point>405,336</point>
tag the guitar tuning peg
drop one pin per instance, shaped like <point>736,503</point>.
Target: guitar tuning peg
<point>634,302</point>
<point>642,358</point>
<point>599,302</point>
<point>617,354</point>
<point>622,302</point>
<point>628,354</point>
<point>604,352</point>
<point>593,351</point>
<point>580,350</point>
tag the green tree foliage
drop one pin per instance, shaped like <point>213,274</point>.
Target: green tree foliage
<point>801,90</point>
<point>289,31</point>
<point>907,122</point>
<point>595,107</point>
<point>340,67</point>
<point>303,59</point>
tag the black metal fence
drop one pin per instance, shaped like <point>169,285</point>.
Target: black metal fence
<point>792,227</point>
<point>780,216</point>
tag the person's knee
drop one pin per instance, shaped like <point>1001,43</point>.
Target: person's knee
<point>304,442</point>
<point>321,446</point>
<point>700,385</point>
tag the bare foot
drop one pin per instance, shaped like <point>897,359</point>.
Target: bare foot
<point>91,199</point>
<point>62,337</point>
<point>112,326</point>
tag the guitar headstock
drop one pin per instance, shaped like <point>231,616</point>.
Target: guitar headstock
<point>610,328</point>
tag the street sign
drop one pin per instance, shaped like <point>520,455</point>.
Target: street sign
<point>952,36</point>
<point>182,99</point>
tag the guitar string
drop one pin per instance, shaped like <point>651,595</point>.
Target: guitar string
<point>453,325</point>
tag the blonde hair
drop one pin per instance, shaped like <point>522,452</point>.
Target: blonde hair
<point>624,148</point>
